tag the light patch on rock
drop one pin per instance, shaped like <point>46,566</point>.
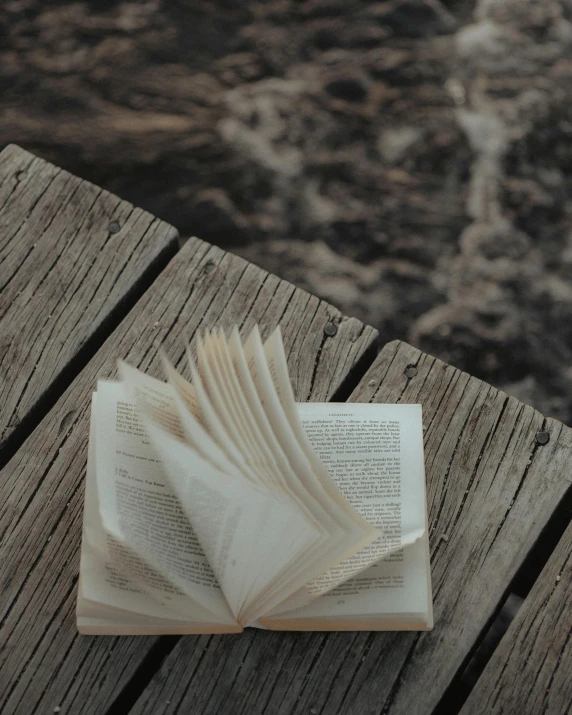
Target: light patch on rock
<point>393,144</point>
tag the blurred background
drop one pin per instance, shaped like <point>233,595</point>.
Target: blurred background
<point>408,160</point>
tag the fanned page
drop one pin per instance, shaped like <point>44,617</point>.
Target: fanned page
<point>229,510</point>
<point>375,436</point>
<point>349,532</point>
<point>220,503</point>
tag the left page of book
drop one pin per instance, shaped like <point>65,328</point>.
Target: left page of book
<point>158,581</point>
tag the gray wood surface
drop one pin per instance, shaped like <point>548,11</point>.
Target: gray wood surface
<point>63,274</point>
<point>44,663</point>
<point>530,673</point>
<point>491,489</point>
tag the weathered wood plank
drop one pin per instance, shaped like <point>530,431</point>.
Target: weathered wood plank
<point>44,662</point>
<point>70,254</point>
<point>490,491</point>
<point>530,673</point>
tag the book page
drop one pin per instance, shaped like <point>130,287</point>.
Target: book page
<point>262,459</point>
<point>191,421</point>
<point>315,482</point>
<point>227,413</point>
<point>184,388</point>
<point>111,575</point>
<point>349,532</point>
<point>257,453</point>
<point>265,456</point>
<point>275,357</point>
<point>227,511</point>
<point>375,453</point>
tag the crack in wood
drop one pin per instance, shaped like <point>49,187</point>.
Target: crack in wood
<point>398,680</point>
<point>486,443</point>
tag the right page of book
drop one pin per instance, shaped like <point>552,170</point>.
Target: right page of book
<point>375,454</point>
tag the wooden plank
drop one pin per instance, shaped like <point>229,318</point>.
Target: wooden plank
<point>71,257</point>
<point>44,662</point>
<point>491,489</point>
<point>530,671</point>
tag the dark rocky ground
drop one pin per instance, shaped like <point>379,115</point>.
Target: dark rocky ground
<point>409,160</point>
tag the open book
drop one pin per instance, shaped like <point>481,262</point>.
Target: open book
<point>220,503</point>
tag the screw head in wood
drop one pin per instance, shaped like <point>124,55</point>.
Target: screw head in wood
<point>209,267</point>
<point>542,437</point>
<point>21,175</point>
<point>330,329</point>
<point>114,227</point>
<point>410,371</point>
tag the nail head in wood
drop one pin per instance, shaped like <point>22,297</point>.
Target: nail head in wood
<point>21,175</point>
<point>114,227</point>
<point>542,438</point>
<point>410,371</point>
<point>330,329</point>
<point>209,267</point>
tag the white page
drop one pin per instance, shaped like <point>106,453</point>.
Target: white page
<point>216,349</point>
<point>183,387</point>
<point>299,569</point>
<point>278,369</point>
<point>346,532</point>
<point>210,420</point>
<point>256,451</point>
<point>195,429</point>
<point>108,581</point>
<point>228,513</point>
<point>375,453</point>
<point>358,531</point>
<point>216,365</point>
<point>191,421</point>
<point>273,460</point>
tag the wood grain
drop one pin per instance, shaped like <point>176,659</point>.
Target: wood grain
<point>44,663</point>
<point>530,671</point>
<point>491,489</point>
<point>64,275</point>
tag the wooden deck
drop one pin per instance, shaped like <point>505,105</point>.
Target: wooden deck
<point>85,278</point>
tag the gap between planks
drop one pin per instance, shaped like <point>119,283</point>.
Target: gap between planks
<point>68,281</point>
<point>521,585</point>
<point>68,374</point>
